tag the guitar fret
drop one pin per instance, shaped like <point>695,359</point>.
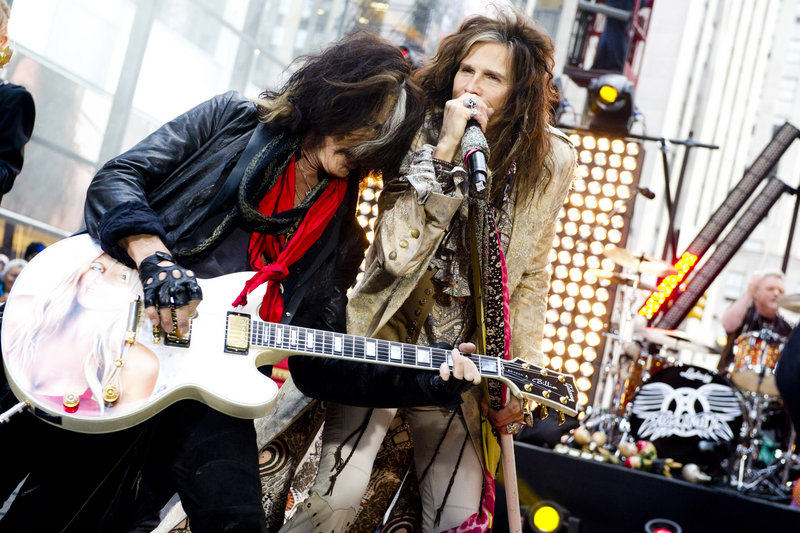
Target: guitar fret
<point>358,347</point>
<point>293,336</point>
<point>409,354</point>
<point>347,349</point>
<point>438,356</point>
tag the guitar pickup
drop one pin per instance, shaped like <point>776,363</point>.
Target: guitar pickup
<point>237,333</point>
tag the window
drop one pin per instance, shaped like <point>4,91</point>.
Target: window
<point>793,52</point>
<point>787,88</point>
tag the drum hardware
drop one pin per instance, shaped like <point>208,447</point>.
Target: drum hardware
<point>640,263</point>
<point>621,278</point>
<point>747,476</point>
<point>676,340</point>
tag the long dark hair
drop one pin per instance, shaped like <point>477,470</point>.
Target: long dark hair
<point>518,133</point>
<point>347,87</point>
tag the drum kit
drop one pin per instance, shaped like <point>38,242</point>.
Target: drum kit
<point>730,424</point>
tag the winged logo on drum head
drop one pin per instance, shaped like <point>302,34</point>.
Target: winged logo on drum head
<point>704,412</point>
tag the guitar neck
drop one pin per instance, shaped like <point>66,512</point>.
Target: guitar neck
<point>298,340</point>
<point>524,379</point>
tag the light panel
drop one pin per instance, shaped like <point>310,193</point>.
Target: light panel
<point>593,215</point>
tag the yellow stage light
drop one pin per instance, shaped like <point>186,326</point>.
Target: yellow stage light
<point>546,518</point>
<point>571,365</point>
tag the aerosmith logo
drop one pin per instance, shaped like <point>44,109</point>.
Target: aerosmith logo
<point>705,411</point>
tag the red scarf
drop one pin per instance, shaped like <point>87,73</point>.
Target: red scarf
<point>274,248</point>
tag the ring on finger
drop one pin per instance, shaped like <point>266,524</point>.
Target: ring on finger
<point>470,103</point>
<point>513,427</point>
<point>472,112</point>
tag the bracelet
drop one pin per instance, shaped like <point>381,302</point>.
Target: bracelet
<point>448,165</point>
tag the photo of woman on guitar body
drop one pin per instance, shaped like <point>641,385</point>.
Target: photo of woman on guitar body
<point>66,344</point>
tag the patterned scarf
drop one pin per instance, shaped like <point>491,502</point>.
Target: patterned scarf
<point>490,283</point>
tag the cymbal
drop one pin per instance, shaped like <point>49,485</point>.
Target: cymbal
<point>674,339</point>
<point>639,262</point>
<point>790,302</point>
<point>620,278</point>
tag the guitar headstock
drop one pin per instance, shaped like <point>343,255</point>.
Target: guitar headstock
<point>547,387</point>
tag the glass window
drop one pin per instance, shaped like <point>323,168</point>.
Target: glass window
<point>85,38</point>
<point>787,89</point>
<point>51,187</point>
<point>69,115</point>
<point>793,51</point>
<point>194,59</point>
<point>734,285</point>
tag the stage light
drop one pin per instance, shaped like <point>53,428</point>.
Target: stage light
<point>662,525</point>
<point>546,517</point>
<point>611,103</point>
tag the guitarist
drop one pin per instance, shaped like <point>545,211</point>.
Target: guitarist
<point>231,185</point>
<point>419,281</point>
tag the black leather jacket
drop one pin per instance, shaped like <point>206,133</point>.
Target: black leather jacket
<point>17,114</point>
<point>165,184</point>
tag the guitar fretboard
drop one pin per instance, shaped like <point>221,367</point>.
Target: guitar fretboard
<point>300,340</point>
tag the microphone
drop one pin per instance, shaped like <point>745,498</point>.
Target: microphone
<point>647,193</point>
<point>475,149</point>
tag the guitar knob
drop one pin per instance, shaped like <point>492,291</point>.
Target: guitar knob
<point>561,418</point>
<point>528,387</point>
<point>562,379</point>
<point>543,413</point>
<point>526,365</point>
<point>71,401</point>
<point>110,394</point>
<point>546,394</point>
<point>544,372</point>
<point>564,400</point>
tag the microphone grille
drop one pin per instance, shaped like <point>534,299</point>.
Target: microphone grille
<point>474,139</point>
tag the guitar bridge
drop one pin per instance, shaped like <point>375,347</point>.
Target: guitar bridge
<point>237,333</point>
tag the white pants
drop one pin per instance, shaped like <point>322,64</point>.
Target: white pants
<point>336,511</point>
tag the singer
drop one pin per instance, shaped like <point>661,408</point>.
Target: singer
<point>418,286</point>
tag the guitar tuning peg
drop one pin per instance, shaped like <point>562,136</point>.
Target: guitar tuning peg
<point>527,405</point>
<point>562,379</point>
<point>561,418</point>
<point>543,413</point>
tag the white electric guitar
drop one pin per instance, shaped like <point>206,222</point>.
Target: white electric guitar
<point>79,352</point>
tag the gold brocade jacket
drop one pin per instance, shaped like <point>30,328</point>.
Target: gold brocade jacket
<point>413,220</point>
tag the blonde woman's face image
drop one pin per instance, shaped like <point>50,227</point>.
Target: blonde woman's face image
<point>101,287</point>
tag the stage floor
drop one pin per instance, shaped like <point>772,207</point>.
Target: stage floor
<point>613,499</point>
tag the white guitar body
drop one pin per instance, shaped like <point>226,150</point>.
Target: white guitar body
<point>230,383</point>
<point>73,330</point>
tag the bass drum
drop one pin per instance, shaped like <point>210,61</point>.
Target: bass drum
<point>690,414</point>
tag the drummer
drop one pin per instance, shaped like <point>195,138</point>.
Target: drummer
<point>755,310</point>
